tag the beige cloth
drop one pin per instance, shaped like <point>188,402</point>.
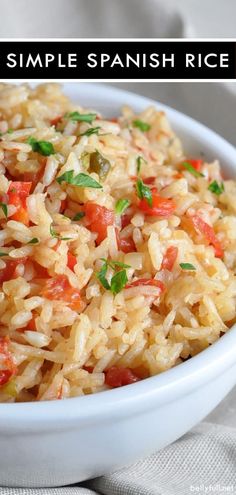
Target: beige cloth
<point>203,461</point>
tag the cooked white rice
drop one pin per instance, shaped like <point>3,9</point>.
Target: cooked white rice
<point>175,295</point>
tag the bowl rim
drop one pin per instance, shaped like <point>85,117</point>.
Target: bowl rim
<point>158,389</point>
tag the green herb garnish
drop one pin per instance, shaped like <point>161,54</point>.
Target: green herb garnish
<point>143,126</point>
<point>90,131</point>
<point>187,266</point>
<point>188,166</point>
<point>216,188</point>
<point>4,208</point>
<point>139,163</point>
<point>35,240</point>
<point>144,191</point>
<point>118,281</point>
<point>3,254</point>
<point>58,236</point>
<point>80,180</point>
<point>45,148</point>
<point>121,206</point>
<point>81,117</point>
<point>10,131</point>
<point>78,216</point>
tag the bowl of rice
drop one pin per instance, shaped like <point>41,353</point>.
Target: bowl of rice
<point>117,270</point>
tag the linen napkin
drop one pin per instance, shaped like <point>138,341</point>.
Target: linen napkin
<point>202,461</point>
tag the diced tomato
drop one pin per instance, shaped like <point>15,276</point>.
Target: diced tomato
<point>31,325</point>
<point>63,205</point>
<point>20,188</point>
<point>147,281</point>
<point>56,120</point>
<point>5,376</point>
<point>7,363</point>
<point>196,163</point>
<point>169,258</point>
<point>208,231</point>
<point>17,194</point>
<point>149,180</point>
<point>89,369</point>
<point>126,219</point>
<point>117,377</point>
<point>41,271</point>
<point>59,289</point>
<point>99,218</point>
<point>113,119</point>
<point>71,261</point>
<point>8,272</point>
<point>126,245</point>
<point>146,180</point>
<point>178,175</point>
<point>161,207</point>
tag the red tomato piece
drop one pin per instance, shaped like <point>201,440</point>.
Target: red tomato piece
<point>196,163</point>
<point>71,261</point>
<point>20,188</point>
<point>208,231</point>
<point>161,207</point>
<point>149,180</point>
<point>146,180</point>
<point>56,120</point>
<point>41,271</point>
<point>117,377</point>
<point>147,281</point>
<point>8,272</point>
<point>99,218</point>
<point>178,175</point>
<point>17,194</point>
<point>31,325</point>
<point>59,289</point>
<point>126,245</point>
<point>89,369</point>
<point>63,205</point>
<point>5,376</point>
<point>125,219</point>
<point>169,258</point>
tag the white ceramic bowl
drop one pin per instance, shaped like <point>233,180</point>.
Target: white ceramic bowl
<point>62,442</point>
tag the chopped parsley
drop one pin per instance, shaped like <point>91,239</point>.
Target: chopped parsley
<point>144,191</point>
<point>81,117</point>
<point>143,126</point>
<point>45,148</point>
<point>187,266</point>
<point>119,279</point>
<point>35,240</point>
<point>78,216</point>
<point>80,180</point>
<point>4,208</point>
<point>90,131</point>
<point>216,188</point>
<point>121,206</point>
<point>10,131</point>
<point>188,166</point>
<point>58,236</point>
<point>139,160</point>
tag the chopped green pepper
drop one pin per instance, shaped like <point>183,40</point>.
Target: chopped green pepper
<point>99,164</point>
